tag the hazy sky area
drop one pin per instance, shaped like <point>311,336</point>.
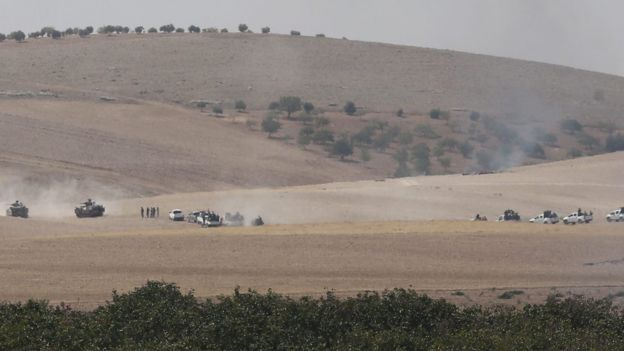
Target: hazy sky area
<point>579,33</point>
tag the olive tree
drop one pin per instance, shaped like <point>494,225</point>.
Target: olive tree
<point>342,147</point>
<point>290,104</point>
<point>270,124</point>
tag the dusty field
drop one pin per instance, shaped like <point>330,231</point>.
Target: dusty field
<point>81,263</point>
<point>380,240</point>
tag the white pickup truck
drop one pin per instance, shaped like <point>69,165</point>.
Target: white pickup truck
<point>547,217</point>
<point>616,216</point>
<point>578,218</point>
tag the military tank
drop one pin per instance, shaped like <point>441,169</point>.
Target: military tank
<point>17,209</point>
<point>89,209</point>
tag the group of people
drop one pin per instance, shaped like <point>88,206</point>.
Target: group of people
<point>150,212</point>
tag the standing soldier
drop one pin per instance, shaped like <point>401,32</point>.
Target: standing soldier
<point>142,212</point>
<point>157,211</point>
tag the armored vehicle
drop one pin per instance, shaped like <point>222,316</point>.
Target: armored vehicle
<point>89,209</point>
<point>17,209</point>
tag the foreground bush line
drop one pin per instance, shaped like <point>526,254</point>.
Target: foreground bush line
<point>159,316</point>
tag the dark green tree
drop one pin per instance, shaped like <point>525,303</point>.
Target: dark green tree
<point>308,107</point>
<point>266,30</point>
<point>152,30</point>
<point>139,29</point>
<point>290,104</point>
<point>342,147</point>
<point>270,125</point>
<point>194,29</point>
<point>242,28</point>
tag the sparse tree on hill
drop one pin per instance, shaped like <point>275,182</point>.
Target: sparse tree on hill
<point>323,137</point>
<point>47,31</point>
<point>240,105</point>
<point>466,149</point>
<point>179,30</point>
<point>266,30</point>
<point>420,157</point>
<point>224,30</point>
<point>89,30</point>
<point>2,37</point>
<point>18,36</point>
<point>168,28</point>
<point>242,28</point>
<point>290,104</point>
<point>139,29</point>
<point>194,29</point>
<point>126,30</point>
<point>274,105</point>
<point>349,108</point>
<point>342,147</point>
<point>308,107</point>
<point>571,126</point>
<point>321,121</point>
<point>435,113</point>
<point>305,136</point>
<point>270,125</point>
<point>615,142</point>
<point>69,31</point>
<point>383,141</point>
<point>152,30</point>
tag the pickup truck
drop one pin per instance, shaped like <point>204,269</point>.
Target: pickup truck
<point>547,217</point>
<point>578,218</point>
<point>616,216</point>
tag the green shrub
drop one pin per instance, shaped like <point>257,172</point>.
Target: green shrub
<point>323,137</point>
<point>139,29</point>
<point>420,157</point>
<point>217,109</point>
<point>534,150</point>
<point>321,121</point>
<point>152,30</point>
<point>435,113</point>
<point>406,137</point>
<point>179,30</point>
<point>365,155</point>
<point>242,28</point>
<point>588,141</point>
<point>194,29</point>
<point>240,105</point>
<point>574,153</point>
<point>466,149</point>
<point>350,108</point>
<point>571,126</point>
<point>383,141</point>
<point>266,30</point>
<point>224,30</point>
<point>400,113</point>
<point>158,316</point>
<point>308,107</point>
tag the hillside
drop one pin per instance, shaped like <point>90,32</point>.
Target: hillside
<point>122,110</point>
